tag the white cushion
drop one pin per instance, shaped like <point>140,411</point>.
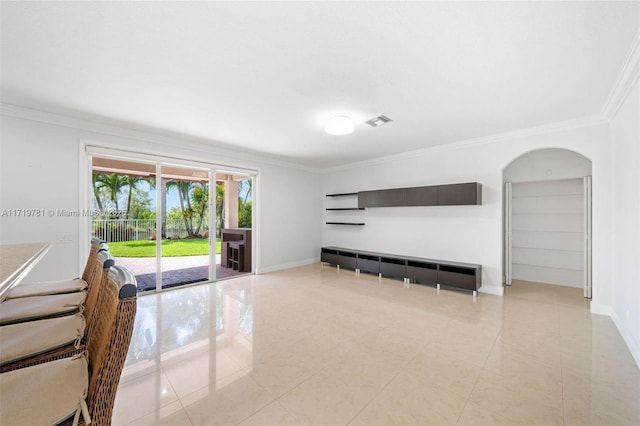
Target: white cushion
<point>35,337</point>
<point>43,394</point>
<point>32,308</point>
<point>42,288</point>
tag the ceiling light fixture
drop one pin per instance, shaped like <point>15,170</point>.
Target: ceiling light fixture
<point>378,121</point>
<point>339,125</point>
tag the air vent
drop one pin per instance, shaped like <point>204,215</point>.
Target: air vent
<point>378,121</point>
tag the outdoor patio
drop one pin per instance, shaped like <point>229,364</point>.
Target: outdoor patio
<point>176,271</point>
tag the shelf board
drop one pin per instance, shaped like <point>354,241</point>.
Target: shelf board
<point>345,208</point>
<point>345,223</point>
<point>344,194</point>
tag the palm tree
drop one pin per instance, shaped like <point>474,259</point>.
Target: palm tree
<point>184,188</point>
<point>219,208</point>
<point>113,183</point>
<point>95,177</point>
<point>249,184</point>
<point>200,196</point>
<point>131,182</point>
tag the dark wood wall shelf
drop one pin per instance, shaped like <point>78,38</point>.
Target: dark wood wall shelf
<point>344,209</point>
<point>418,270</point>
<point>343,194</point>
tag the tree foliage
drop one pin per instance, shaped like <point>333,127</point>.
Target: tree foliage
<point>193,198</point>
<point>244,213</point>
<point>109,188</point>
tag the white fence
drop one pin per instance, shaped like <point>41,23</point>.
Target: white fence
<point>113,230</point>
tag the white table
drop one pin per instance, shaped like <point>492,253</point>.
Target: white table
<point>16,261</point>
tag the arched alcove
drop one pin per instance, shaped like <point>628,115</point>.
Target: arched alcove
<point>547,164</point>
<point>547,215</point>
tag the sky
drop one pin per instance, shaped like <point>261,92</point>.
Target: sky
<point>172,196</point>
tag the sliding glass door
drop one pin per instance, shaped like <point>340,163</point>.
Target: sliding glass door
<point>173,224</point>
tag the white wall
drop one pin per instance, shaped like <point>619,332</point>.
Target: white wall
<point>625,135</point>
<point>290,209</point>
<point>40,169</point>
<point>471,233</point>
<point>547,223</point>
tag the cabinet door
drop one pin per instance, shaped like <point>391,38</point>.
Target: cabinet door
<point>347,259</point>
<point>383,198</point>
<point>391,267</point>
<point>329,256</point>
<point>422,196</point>
<point>368,263</point>
<point>421,272</point>
<point>393,198</point>
<point>455,276</point>
<point>459,194</point>
<point>368,199</point>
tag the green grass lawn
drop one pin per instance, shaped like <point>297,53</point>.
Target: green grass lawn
<point>170,248</point>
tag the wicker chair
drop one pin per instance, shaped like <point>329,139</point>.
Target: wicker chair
<point>43,288</point>
<point>82,387</point>
<point>29,343</point>
<point>34,308</point>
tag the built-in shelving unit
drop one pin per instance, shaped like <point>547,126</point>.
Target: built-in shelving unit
<point>457,194</point>
<point>344,209</point>
<point>418,270</point>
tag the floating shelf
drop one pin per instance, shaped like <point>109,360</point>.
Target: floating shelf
<point>344,194</point>
<point>345,208</point>
<point>345,223</point>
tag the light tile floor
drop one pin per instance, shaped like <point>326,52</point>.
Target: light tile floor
<point>312,345</point>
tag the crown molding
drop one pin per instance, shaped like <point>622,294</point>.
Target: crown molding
<point>516,134</point>
<point>627,77</point>
<point>154,136</point>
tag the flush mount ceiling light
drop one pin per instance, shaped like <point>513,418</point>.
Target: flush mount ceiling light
<point>339,125</point>
<point>378,121</point>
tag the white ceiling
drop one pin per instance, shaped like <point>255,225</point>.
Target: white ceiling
<point>263,77</point>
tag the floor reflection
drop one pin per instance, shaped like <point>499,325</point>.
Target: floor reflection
<point>313,345</point>
<point>214,322</point>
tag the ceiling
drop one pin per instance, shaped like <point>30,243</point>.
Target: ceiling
<point>263,77</point>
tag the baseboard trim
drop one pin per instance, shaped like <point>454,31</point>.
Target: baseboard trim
<point>287,265</point>
<point>601,309</point>
<point>632,344</point>
<point>492,289</point>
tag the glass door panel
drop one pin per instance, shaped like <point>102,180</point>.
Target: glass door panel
<point>185,225</point>
<point>233,224</point>
<point>122,195</point>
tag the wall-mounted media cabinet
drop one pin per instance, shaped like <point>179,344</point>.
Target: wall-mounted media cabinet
<point>466,276</point>
<point>457,194</point>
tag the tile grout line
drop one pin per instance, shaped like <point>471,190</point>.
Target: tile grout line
<point>466,402</point>
<point>186,413</point>
<point>374,397</point>
<point>561,361</point>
